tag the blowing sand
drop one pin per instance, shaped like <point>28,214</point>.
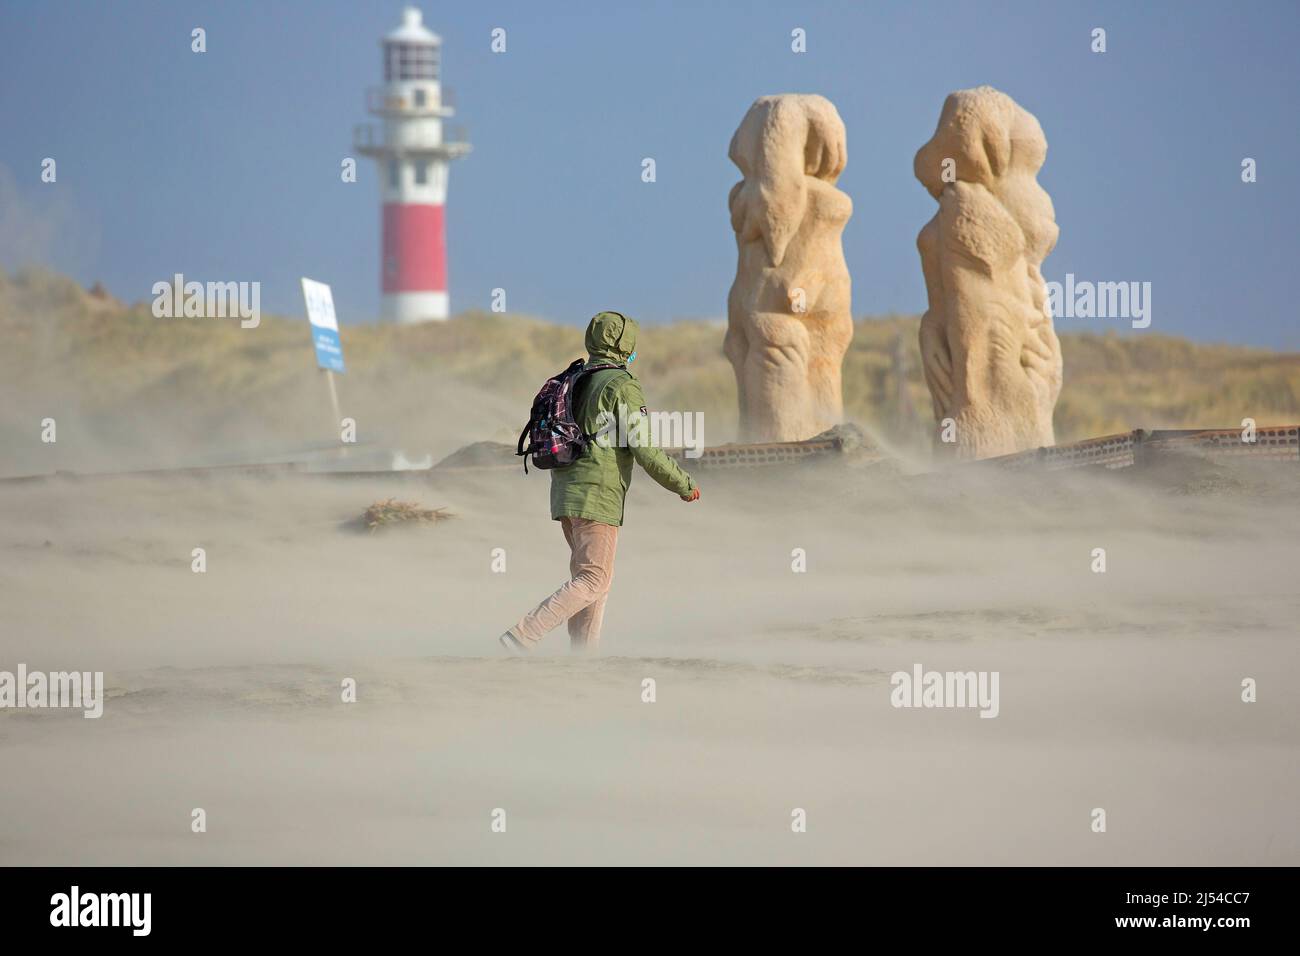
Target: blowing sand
<point>1119,690</point>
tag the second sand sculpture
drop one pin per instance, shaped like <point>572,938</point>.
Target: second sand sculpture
<point>788,313</point>
<point>990,355</point>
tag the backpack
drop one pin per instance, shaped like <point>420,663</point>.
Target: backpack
<point>554,437</point>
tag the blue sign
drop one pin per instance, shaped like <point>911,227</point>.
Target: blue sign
<point>324,325</point>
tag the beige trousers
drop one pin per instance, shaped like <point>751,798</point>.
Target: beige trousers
<point>581,601</point>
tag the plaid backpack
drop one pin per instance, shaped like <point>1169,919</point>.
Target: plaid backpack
<point>554,437</point>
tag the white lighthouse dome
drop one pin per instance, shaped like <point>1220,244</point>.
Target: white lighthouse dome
<point>413,29</point>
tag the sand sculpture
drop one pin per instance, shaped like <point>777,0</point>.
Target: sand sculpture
<point>991,357</point>
<point>788,318</point>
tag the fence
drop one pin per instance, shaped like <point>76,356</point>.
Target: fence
<point>1140,447</point>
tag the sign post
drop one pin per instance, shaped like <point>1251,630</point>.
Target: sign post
<point>325,337</point>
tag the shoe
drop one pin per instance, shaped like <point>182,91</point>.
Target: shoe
<point>512,644</point>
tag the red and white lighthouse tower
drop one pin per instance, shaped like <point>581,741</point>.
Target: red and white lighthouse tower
<point>412,154</point>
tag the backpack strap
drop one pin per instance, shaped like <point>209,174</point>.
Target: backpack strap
<point>588,398</point>
<point>519,448</point>
<point>587,371</point>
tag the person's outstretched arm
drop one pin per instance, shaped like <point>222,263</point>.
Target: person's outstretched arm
<point>656,463</point>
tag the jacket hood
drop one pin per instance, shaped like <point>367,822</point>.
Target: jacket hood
<point>611,337</point>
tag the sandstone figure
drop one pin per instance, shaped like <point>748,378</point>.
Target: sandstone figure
<point>788,316</point>
<point>990,355</point>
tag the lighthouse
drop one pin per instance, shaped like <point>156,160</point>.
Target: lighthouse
<point>412,153</point>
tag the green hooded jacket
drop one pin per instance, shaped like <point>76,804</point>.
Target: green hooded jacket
<point>595,485</point>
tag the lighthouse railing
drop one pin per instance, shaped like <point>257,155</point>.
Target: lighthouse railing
<point>374,136</point>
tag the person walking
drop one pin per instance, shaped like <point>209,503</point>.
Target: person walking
<point>588,495</point>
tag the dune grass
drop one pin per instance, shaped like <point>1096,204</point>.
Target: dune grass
<point>59,339</point>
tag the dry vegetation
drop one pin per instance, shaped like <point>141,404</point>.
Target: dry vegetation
<point>66,348</point>
<point>390,511</point>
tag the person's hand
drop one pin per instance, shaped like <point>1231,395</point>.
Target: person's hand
<point>694,495</point>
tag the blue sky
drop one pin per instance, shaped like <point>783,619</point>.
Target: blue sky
<point>225,165</point>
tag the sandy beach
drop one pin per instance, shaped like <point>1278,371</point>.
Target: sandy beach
<point>1119,690</point>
